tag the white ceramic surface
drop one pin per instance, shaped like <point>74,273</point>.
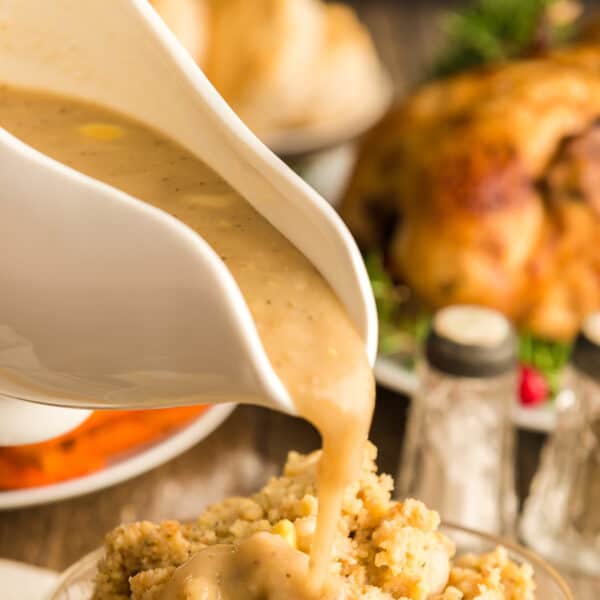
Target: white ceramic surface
<point>328,171</point>
<point>79,301</point>
<point>26,423</point>
<point>124,469</point>
<point>19,581</point>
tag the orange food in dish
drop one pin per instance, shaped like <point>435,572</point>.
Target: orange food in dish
<point>91,447</point>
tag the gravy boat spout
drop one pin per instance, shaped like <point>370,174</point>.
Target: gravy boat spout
<point>107,301</point>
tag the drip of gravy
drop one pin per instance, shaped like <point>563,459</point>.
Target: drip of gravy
<point>307,334</point>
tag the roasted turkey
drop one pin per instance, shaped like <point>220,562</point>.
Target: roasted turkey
<point>485,188</point>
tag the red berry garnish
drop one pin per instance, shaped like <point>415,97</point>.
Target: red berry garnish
<point>533,387</point>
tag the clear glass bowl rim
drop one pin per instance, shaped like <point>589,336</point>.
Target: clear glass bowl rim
<point>88,561</point>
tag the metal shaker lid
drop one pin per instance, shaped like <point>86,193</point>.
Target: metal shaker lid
<point>586,352</point>
<point>471,341</point>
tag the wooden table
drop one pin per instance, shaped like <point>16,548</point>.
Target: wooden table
<point>251,446</point>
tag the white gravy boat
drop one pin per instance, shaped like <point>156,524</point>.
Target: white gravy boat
<point>90,276</point>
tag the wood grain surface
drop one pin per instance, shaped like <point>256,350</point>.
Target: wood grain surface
<point>252,444</point>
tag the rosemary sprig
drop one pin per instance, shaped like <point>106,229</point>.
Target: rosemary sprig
<point>489,31</point>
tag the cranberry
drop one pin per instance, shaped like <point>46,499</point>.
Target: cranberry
<point>533,387</point>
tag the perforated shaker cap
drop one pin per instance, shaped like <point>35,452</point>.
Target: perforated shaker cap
<point>586,352</point>
<point>471,341</point>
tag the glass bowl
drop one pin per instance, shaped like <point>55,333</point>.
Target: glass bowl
<point>76,583</point>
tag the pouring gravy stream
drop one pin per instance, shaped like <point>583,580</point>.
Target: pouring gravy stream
<point>307,334</point>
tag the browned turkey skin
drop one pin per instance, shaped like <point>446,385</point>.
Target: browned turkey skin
<point>485,188</point>
<point>575,173</point>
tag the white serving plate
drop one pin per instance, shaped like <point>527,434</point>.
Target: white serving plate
<point>322,135</point>
<point>122,470</point>
<point>19,581</point>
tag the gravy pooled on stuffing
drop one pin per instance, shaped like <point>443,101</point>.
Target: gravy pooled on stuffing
<point>261,566</point>
<point>307,334</point>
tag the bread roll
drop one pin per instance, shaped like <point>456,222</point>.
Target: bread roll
<point>280,63</point>
<point>262,56</point>
<point>347,75</point>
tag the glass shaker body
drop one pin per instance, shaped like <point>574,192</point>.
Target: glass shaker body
<point>561,518</point>
<point>459,450</point>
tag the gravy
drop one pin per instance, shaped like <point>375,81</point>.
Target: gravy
<point>307,334</point>
<point>245,571</point>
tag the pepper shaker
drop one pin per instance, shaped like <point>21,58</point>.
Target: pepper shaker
<point>459,449</point>
<point>561,519</point>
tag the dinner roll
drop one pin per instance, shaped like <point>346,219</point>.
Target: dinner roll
<point>347,74</point>
<point>262,56</point>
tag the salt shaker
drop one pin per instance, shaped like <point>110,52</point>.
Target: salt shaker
<point>459,449</point>
<point>561,518</point>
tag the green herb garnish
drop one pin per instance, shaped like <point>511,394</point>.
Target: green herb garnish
<point>401,325</point>
<point>547,356</point>
<point>388,304</point>
<point>403,328</point>
<point>490,31</point>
